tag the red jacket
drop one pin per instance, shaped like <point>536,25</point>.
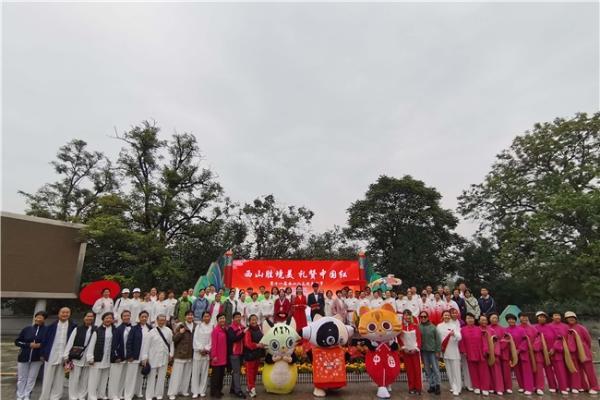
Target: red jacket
<point>410,338</point>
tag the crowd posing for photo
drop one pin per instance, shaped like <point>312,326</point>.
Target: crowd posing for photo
<point>122,348</point>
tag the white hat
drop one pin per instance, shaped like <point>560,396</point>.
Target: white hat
<point>537,314</point>
<point>137,289</point>
<point>569,314</point>
<point>125,290</point>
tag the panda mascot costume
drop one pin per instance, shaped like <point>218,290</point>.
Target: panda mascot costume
<point>326,336</point>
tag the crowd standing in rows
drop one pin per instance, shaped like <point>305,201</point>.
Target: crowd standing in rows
<point>120,344</point>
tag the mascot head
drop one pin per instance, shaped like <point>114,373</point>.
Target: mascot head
<point>280,338</point>
<point>379,324</point>
<point>327,332</point>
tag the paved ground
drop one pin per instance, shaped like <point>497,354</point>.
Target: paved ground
<point>302,391</point>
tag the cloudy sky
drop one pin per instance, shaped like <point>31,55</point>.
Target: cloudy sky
<point>310,102</point>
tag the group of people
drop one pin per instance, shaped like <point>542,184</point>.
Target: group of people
<point>121,344</point>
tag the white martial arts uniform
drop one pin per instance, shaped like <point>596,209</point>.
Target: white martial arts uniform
<point>252,308</point>
<point>99,369</point>
<point>157,353</point>
<point>54,374</point>
<point>376,302</point>
<point>267,307</point>
<point>200,363</point>
<point>79,375</point>
<point>451,355</point>
<point>101,306</point>
<point>351,307</point>
<point>121,305</point>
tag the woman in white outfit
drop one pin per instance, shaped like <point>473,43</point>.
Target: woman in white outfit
<point>98,354</point>
<point>201,356</point>
<point>78,376</point>
<point>450,336</point>
<point>158,350</point>
<point>133,376</point>
<point>103,305</point>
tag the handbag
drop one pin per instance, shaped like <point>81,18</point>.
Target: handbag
<point>146,369</point>
<point>76,352</point>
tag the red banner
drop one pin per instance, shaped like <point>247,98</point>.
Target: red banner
<point>329,274</point>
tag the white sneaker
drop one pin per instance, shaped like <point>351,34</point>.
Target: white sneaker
<point>527,393</point>
<point>203,395</point>
<point>186,395</point>
<point>383,393</point>
<point>477,391</point>
<point>456,393</point>
<point>509,391</point>
<point>539,392</point>
<point>499,393</point>
<point>592,391</point>
<point>253,392</point>
<point>389,388</point>
<point>171,397</point>
<point>565,392</point>
<point>319,392</point>
<point>521,390</point>
<point>552,390</point>
<point>485,393</point>
<point>194,396</point>
<point>574,391</point>
<point>470,389</point>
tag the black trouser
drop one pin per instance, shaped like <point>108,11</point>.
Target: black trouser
<point>216,380</point>
<point>314,312</point>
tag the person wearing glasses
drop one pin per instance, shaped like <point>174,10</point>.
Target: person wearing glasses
<point>430,352</point>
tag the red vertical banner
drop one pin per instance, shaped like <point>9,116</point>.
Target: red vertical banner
<point>329,274</point>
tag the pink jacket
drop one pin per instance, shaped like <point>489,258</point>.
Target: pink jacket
<point>473,344</point>
<point>502,343</point>
<point>520,338</point>
<point>586,339</point>
<point>561,330</point>
<point>218,347</point>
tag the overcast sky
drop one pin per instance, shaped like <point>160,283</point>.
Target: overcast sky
<point>310,102</point>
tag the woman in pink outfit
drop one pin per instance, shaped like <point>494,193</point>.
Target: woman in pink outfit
<point>503,360</point>
<point>542,346</point>
<point>523,368</point>
<point>557,353</point>
<point>589,380</point>
<point>491,339</point>
<point>475,349</point>
<point>218,356</point>
<point>531,335</point>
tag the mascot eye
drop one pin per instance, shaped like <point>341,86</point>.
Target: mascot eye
<point>330,340</point>
<point>371,327</point>
<point>387,326</point>
<point>289,342</point>
<point>274,344</point>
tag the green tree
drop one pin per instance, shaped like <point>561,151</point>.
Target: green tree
<point>274,231</point>
<point>85,176</point>
<point>541,204</point>
<point>406,230</point>
<point>329,245</point>
<point>477,265</point>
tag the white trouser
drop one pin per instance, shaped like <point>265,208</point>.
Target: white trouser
<point>133,376</point>
<point>155,386</point>
<point>139,384</point>
<point>27,373</point>
<point>116,380</point>
<point>350,317</point>
<point>97,382</point>
<point>78,382</point>
<point>200,375</point>
<point>464,367</point>
<point>54,380</point>
<point>453,372</point>
<point>179,382</point>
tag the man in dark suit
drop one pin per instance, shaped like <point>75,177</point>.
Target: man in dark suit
<point>316,302</point>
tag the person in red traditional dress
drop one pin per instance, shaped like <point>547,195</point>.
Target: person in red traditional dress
<point>299,309</point>
<point>282,308</point>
